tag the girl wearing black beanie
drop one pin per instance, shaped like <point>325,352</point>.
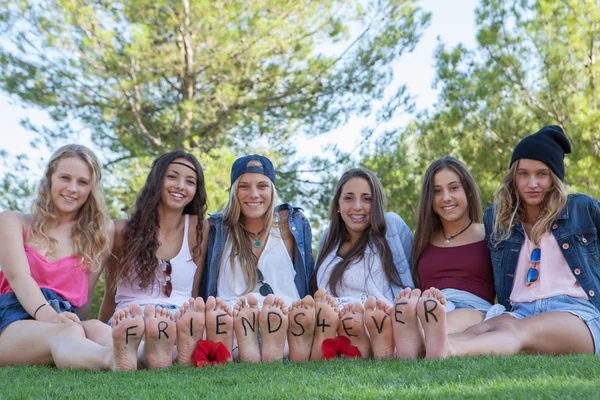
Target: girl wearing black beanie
<point>546,261</point>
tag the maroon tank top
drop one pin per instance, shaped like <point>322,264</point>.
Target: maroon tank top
<point>466,267</point>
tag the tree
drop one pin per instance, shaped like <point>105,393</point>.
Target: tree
<point>536,64</point>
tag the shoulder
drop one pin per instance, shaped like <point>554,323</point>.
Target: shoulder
<point>394,222</point>
<point>10,220</point>
<point>579,199</point>
<point>479,230</point>
<point>286,209</point>
<point>119,226</point>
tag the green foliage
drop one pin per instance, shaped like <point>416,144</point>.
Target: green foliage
<point>536,64</point>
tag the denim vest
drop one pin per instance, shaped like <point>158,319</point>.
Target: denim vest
<point>575,230</point>
<point>399,238</point>
<point>303,258</point>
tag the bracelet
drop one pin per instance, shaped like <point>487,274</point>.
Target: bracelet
<point>38,309</point>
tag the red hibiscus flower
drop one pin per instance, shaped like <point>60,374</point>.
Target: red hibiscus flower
<point>340,346</point>
<point>208,352</point>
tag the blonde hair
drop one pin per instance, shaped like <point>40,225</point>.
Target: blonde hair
<point>91,230</point>
<point>509,209</point>
<point>237,237</point>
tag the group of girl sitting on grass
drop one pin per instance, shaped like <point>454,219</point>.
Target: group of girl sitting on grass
<point>241,284</point>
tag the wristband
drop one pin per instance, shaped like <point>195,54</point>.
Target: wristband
<point>38,309</point>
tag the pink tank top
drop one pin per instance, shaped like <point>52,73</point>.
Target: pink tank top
<point>65,276</point>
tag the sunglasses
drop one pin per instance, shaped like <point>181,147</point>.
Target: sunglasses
<point>265,289</point>
<point>167,286</point>
<point>533,274</point>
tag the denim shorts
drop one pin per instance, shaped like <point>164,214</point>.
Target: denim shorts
<point>581,308</point>
<point>457,299</point>
<point>11,310</point>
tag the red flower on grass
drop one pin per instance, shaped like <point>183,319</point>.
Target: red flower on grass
<point>340,346</point>
<point>209,352</point>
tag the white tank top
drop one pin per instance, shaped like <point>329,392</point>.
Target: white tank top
<point>357,281</point>
<point>182,279</point>
<point>274,263</point>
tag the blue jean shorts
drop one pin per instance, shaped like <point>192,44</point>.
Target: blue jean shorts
<point>581,308</point>
<point>457,299</point>
<point>11,310</point>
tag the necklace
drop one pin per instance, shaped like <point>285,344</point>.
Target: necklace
<point>257,243</point>
<point>448,239</point>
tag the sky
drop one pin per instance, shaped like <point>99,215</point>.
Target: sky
<point>452,22</point>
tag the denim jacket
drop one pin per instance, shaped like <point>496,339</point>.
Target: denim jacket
<point>399,238</point>
<point>575,230</point>
<point>303,258</point>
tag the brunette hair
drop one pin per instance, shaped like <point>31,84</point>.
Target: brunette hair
<point>91,230</point>
<point>428,221</point>
<point>138,263</point>
<point>374,236</point>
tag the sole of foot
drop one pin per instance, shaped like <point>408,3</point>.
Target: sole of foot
<point>190,328</point>
<point>379,326</point>
<point>301,330</point>
<point>273,321</point>
<point>326,322</point>
<point>245,324</point>
<point>127,333</point>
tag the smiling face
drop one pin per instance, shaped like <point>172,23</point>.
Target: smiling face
<point>449,197</point>
<point>355,206</point>
<point>533,181</point>
<point>255,194</point>
<point>70,185</point>
<point>179,184</point>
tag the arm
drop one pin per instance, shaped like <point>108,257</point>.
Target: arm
<point>201,260</point>
<point>108,306</point>
<point>15,267</point>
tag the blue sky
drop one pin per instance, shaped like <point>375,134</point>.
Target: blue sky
<point>452,23</point>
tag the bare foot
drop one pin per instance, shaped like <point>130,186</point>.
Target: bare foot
<point>352,325</point>
<point>301,330</point>
<point>432,314</point>
<point>160,337</point>
<point>245,323</point>
<point>190,327</point>
<point>327,320</point>
<point>379,325</point>
<point>273,321</point>
<point>219,322</point>
<point>127,333</point>
<point>406,327</point>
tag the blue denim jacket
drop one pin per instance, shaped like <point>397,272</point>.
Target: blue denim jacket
<point>576,231</point>
<point>303,258</point>
<point>399,238</point>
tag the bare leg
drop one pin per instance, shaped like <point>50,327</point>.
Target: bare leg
<point>98,332</point>
<point>408,336</point>
<point>460,319</point>
<point>327,320</point>
<point>160,337</point>
<point>432,314</point>
<point>127,332</point>
<point>352,325</point>
<point>544,333</point>
<point>219,322</point>
<point>379,325</point>
<point>301,330</point>
<point>245,323</point>
<point>42,343</point>
<point>190,327</point>
<point>273,321</point>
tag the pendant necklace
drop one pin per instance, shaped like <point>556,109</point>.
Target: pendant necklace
<point>456,234</point>
<point>256,243</point>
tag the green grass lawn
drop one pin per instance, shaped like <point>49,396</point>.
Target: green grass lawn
<point>525,377</point>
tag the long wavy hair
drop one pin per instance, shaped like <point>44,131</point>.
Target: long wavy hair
<point>91,230</point>
<point>374,236</point>
<point>138,263</point>
<point>509,209</point>
<point>428,221</point>
<point>237,237</point>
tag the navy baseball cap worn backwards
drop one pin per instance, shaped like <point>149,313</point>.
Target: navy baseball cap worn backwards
<point>240,167</point>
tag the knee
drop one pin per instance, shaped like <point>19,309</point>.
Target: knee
<point>71,330</point>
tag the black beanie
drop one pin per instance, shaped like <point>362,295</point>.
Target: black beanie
<point>548,145</point>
